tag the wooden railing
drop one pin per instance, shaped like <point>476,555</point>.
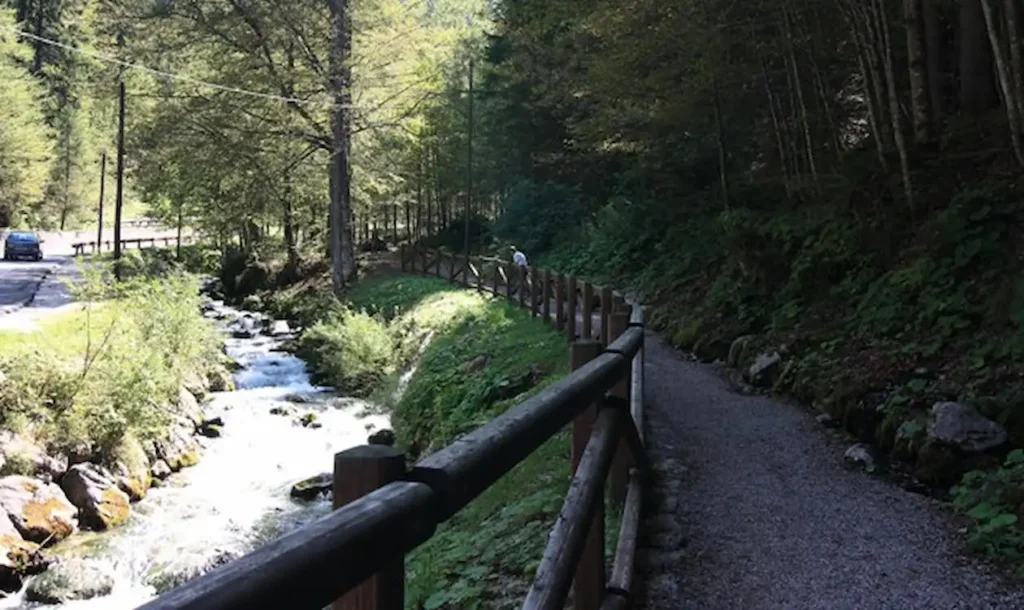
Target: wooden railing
<point>354,557</point>
<point>80,247</point>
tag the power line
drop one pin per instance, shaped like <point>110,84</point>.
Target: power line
<point>178,77</point>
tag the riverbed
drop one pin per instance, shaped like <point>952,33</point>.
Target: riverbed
<point>237,497</point>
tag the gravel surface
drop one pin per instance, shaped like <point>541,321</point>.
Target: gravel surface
<point>753,508</point>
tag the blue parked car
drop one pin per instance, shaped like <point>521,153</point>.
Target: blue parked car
<point>23,244</point>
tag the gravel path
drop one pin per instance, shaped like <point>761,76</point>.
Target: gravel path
<point>753,509</point>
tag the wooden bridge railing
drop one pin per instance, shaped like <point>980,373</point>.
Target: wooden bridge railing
<point>353,557</point>
<point>80,247</point>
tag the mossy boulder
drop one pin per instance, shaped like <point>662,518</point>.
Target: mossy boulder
<point>131,469</point>
<point>69,580</point>
<point>40,511</point>
<point>94,491</point>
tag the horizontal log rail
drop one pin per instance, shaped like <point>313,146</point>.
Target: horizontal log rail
<point>107,244</point>
<point>353,557</point>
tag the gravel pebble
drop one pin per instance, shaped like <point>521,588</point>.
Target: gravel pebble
<point>771,519</point>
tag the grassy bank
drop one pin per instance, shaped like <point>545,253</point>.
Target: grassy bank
<point>108,371</point>
<point>443,361</point>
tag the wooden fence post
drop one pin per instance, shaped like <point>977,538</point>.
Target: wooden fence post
<point>560,302</point>
<point>494,280</point>
<point>546,297</point>
<point>618,322</point>
<point>508,285</point>
<point>570,314</point>
<point>465,272</point>
<point>589,582</point>
<point>606,310</point>
<point>424,260</point>
<point>437,263</point>
<point>357,472</point>
<point>587,331</point>
<point>535,282</point>
<point>523,273</point>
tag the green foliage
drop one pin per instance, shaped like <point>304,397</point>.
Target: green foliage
<point>537,215</point>
<point>113,368</point>
<point>993,501</point>
<point>349,350</point>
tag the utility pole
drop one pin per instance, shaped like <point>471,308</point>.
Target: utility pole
<point>181,206</point>
<point>103,182</point>
<point>119,201</point>
<point>469,163</point>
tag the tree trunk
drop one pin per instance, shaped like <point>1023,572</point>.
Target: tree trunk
<point>871,96</point>
<point>934,48</point>
<point>776,128</point>
<point>920,99</point>
<point>798,87</point>
<point>873,48</point>
<point>894,104</point>
<point>977,81</point>
<point>792,123</point>
<point>1013,37</point>
<point>723,176</point>
<point>290,241</point>
<point>1004,80</point>
<point>343,262</point>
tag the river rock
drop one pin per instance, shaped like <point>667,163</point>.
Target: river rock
<point>189,407</point>
<point>279,328</point>
<point>131,470</point>
<point>185,569</point>
<point>22,455</point>
<point>382,437</point>
<point>961,426</point>
<point>178,449</point>
<point>308,489</point>
<point>762,371</point>
<point>67,580</point>
<point>94,491</point>
<point>220,379</point>
<point>861,456</point>
<point>308,420</point>
<point>196,384</point>
<point>284,410</point>
<point>18,557</point>
<point>160,470</point>
<point>40,511</point>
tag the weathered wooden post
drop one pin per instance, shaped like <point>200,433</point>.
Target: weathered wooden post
<point>618,322</point>
<point>357,472</point>
<point>587,332</point>
<point>465,272</point>
<point>424,261</point>
<point>508,285</point>
<point>606,310</point>
<point>494,280</point>
<point>524,281</point>
<point>570,314</point>
<point>589,581</point>
<point>535,282</point>
<point>437,263</point>
<point>560,302</point>
<point>546,297</point>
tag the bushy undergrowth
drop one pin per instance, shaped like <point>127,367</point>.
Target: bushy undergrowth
<point>109,369</point>
<point>879,312</point>
<point>349,350</point>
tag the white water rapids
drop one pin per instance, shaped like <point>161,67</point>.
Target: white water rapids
<point>237,497</point>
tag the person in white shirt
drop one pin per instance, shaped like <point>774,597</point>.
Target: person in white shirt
<point>519,259</point>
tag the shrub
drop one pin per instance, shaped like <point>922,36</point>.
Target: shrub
<point>349,350</point>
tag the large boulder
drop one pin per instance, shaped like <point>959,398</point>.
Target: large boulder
<point>21,455</point>
<point>130,467</point>
<point>40,511</point>
<point>188,406</point>
<point>382,437</point>
<point>178,449</point>
<point>68,580</point>
<point>862,457</point>
<point>764,368</point>
<point>308,489</point>
<point>96,494</point>
<point>279,328</point>
<point>18,557</point>
<point>196,384</point>
<point>961,426</point>
<point>738,351</point>
<point>220,379</point>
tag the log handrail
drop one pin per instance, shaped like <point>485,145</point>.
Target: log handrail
<point>325,560</point>
<point>81,246</point>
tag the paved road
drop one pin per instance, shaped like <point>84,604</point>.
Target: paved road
<point>19,280</point>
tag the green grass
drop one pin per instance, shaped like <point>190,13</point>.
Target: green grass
<point>110,370</point>
<point>485,556</point>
